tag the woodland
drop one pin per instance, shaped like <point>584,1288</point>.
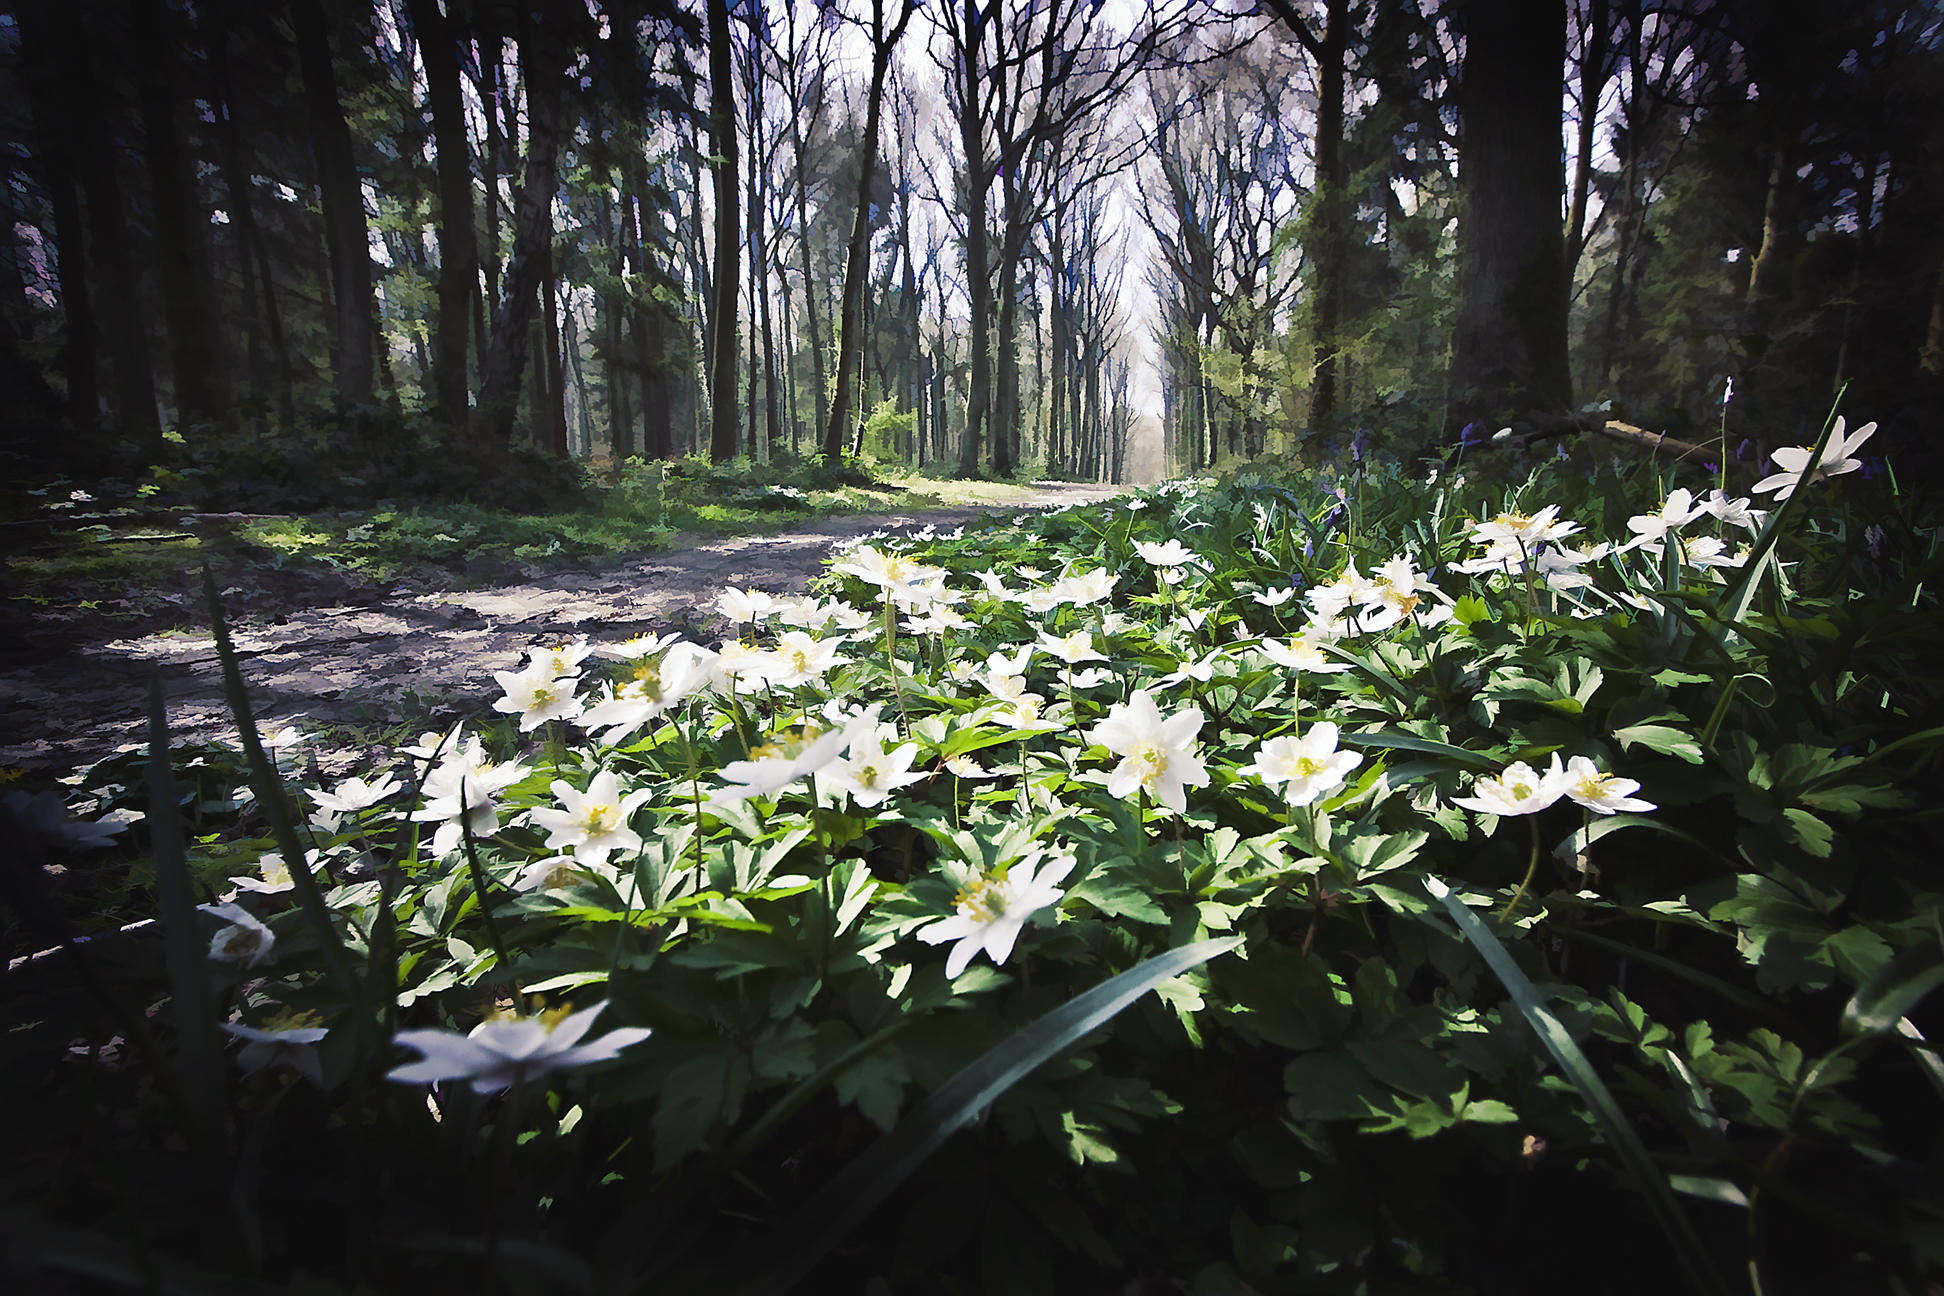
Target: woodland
<point>284,241</point>
<point>1403,757</point>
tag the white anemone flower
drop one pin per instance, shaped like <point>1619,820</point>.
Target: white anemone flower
<point>991,909</point>
<point>559,872</point>
<point>655,688</point>
<point>636,647</point>
<point>1303,652</point>
<point>1307,767</point>
<point>273,876</point>
<point>790,754</point>
<point>1086,588</point>
<point>1519,790</point>
<point>593,823</point>
<point>1073,648</point>
<point>1158,755</point>
<point>537,694</point>
<point>1602,793</point>
<point>1735,512</point>
<point>1679,509</point>
<point>963,766</point>
<point>1172,553</point>
<point>501,1052</point>
<point>800,658</point>
<point>1526,528</point>
<point>354,794</point>
<point>460,795</point>
<point>245,940</point>
<point>290,1037</point>
<point>744,606</point>
<point>1276,597</point>
<point>1836,460</point>
<point>562,659</point>
<point>872,771</point>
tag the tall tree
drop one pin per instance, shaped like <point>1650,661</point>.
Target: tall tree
<point>723,426</point>
<point>887,28</point>
<point>1508,351</point>
<point>342,198</point>
<point>439,47</point>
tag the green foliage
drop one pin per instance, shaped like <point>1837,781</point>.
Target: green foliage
<point>1683,980</point>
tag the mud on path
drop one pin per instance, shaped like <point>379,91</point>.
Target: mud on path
<point>358,669</point>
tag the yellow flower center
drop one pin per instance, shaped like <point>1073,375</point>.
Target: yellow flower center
<point>789,743</point>
<point>867,776</point>
<point>287,1018</point>
<point>1593,786</point>
<point>598,820</point>
<point>1520,791</point>
<point>981,900</point>
<point>1155,758</point>
<point>1307,767</point>
<point>647,681</point>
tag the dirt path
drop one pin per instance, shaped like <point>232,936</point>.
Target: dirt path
<point>359,668</point>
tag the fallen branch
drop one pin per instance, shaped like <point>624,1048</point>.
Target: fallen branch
<point>1537,426</point>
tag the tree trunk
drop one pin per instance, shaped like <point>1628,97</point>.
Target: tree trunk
<point>978,284</point>
<point>182,253</point>
<point>723,429</point>
<point>252,249</point>
<point>554,424</point>
<point>42,58</point>
<point>127,333</point>
<point>458,241</point>
<point>1592,79</point>
<point>342,197</point>
<point>499,396</point>
<point>1333,227</point>
<point>1509,349</point>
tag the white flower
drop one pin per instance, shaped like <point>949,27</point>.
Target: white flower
<point>354,794</point>
<point>287,1037</point>
<point>1519,790</point>
<point>460,794</point>
<point>595,822</point>
<point>1601,793</point>
<point>801,659</point>
<point>1276,597</point>
<point>244,941</point>
<point>634,649</point>
<point>1304,652</point>
<point>995,584</point>
<point>740,660</point>
<point>537,694</point>
<point>500,1052</point>
<point>1157,755</point>
<point>1679,509</point>
<point>1201,670</point>
<point>789,755</point>
<point>1173,553</point>
<point>1835,460</point>
<point>1310,765</point>
<point>562,871</point>
<point>1094,678</point>
<point>273,876</point>
<point>1071,649</point>
<point>562,659</point>
<point>654,688</point>
<point>1522,527</point>
<point>991,909</point>
<point>1086,588</point>
<point>744,606</point>
<point>1735,512</point>
<point>44,814</point>
<point>937,621</point>
<point>872,771</point>
<point>963,766</point>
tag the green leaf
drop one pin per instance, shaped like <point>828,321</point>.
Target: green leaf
<point>1663,738</point>
<point>1619,1131</point>
<point>1409,742</point>
<point>860,1186</point>
<point>1119,897</point>
<point>1894,991</point>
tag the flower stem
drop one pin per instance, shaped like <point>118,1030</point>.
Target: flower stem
<point>1532,870</point>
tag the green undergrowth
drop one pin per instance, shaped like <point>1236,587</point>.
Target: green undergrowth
<point>1336,882</point>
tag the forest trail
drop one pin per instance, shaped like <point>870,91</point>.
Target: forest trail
<point>353,670</point>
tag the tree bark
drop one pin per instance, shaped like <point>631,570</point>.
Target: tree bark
<point>342,197</point>
<point>458,285</point>
<point>1509,348</point>
<point>499,397</point>
<point>850,335</point>
<point>723,425</point>
<point>41,60</point>
<point>182,251</point>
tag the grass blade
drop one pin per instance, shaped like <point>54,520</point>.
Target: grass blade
<point>270,794</point>
<point>194,1007</point>
<point>860,1186</point>
<point>1653,1185</point>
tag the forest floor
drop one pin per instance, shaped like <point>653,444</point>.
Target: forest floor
<point>370,667</point>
